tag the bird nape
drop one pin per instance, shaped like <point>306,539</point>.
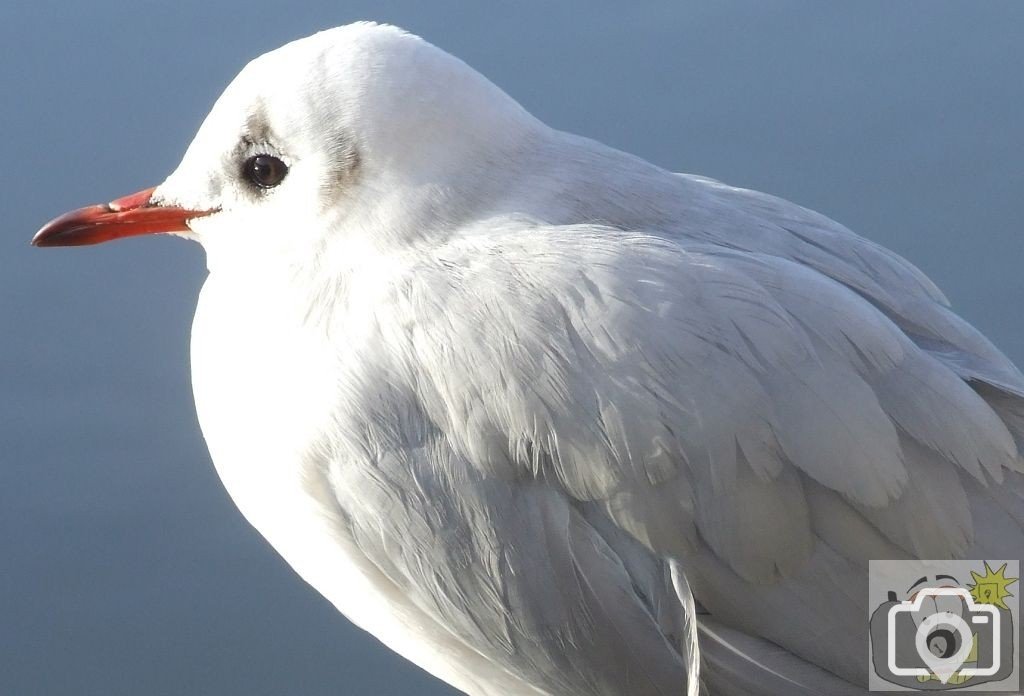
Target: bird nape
<point>505,395</point>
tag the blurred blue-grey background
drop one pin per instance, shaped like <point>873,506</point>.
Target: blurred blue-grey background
<point>124,567</point>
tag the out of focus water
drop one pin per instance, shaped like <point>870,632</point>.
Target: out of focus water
<point>124,568</point>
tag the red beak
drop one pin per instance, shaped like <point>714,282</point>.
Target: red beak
<point>125,217</point>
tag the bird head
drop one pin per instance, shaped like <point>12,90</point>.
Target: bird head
<point>355,137</point>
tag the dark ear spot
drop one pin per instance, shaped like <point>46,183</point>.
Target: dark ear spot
<point>344,161</point>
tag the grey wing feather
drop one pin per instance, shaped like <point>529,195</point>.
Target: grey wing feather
<point>509,568</point>
<point>738,664</point>
<point>752,221</point>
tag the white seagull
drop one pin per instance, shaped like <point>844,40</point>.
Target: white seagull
<point>505,395</point>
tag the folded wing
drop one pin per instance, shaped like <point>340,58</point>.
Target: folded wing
<point>773,420</point>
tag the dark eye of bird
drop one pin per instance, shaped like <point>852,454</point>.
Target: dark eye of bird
<point>266,171</point>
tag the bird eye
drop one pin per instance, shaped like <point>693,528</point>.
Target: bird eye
<point>265,171</point>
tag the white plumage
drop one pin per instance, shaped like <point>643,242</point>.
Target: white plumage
<point>498,391</point>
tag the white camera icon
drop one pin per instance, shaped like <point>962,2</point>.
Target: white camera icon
<point>945,622</point>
